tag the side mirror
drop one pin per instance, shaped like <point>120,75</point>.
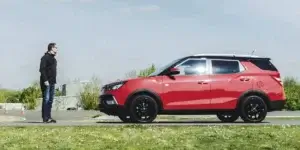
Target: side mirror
<point>174,71</point>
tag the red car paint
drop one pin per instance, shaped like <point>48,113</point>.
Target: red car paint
<point>208,92</point>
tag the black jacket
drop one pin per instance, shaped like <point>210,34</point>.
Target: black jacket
<point>48,68</point>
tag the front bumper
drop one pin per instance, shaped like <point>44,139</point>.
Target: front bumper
<point>109,105</point>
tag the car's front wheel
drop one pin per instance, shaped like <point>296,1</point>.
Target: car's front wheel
<point>253,109</point>
<point>143,109</point>
<point>228,116</point>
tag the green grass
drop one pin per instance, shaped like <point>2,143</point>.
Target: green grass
<point>151,137</point>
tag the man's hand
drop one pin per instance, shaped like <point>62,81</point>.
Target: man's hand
<point>46,83</point>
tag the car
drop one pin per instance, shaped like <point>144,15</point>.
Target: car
<point>229,86</point>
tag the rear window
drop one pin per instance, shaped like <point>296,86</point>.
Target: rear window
<point>264,64</point>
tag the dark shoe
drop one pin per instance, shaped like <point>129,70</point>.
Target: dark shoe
<point>49,121</point>
<point>45,120</point>
<point>52,120</point>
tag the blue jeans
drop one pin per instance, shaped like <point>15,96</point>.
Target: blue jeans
<point>48,93</point>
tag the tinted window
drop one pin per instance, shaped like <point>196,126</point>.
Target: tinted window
<point>193,67</point>
<point>264,64</point>
<point>159,70</point>
<point>225,67</point>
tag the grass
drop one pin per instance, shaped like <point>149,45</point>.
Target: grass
<point>151,137</point>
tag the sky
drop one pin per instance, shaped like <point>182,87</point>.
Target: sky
<point>108,38</point>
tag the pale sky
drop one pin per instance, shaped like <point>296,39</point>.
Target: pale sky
<point>109,38</point>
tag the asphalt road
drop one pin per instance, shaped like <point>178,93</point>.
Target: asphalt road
<point>59,115</point>
<point>162,123</point>
<point>84,118</point>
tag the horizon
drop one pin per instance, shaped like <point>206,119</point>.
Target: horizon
<point>110,38</point>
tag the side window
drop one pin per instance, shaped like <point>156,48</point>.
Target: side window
<point>193,67</point>
<point>225,67</point>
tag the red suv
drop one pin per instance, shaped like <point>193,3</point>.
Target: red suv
<point>230,86</point>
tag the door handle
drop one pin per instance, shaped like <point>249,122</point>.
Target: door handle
<point>244,79</point>
<point>202,82</point>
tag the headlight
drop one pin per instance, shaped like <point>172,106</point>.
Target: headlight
<point>113,86</point>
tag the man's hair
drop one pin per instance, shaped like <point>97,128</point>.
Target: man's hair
<point>50,46</point>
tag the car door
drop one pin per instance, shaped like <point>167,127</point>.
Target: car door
<point>190,89</point>
<point>228,82</point>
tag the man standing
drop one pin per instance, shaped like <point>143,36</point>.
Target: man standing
<point>47,81</point>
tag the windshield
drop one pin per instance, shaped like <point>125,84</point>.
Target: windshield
<point>159,70</point>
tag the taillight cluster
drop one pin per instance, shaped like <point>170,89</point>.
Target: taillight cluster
<point>278,79</point>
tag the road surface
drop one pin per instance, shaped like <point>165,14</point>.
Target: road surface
<point>85,118</point>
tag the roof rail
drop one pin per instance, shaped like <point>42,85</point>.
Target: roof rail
<point>230,56</point>
<point>227,55</point>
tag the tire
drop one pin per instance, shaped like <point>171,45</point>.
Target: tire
<point>142,105</point>
<point>125,118</point>
<point>251,106</point>
<point>228,116</point>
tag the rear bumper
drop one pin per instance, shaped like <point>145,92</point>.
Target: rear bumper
<point>109,105</point>
<point>277,105</point>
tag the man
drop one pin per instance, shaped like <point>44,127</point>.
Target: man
<point>47,81</point>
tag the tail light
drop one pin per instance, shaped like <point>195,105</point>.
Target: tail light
<point>277,78</point>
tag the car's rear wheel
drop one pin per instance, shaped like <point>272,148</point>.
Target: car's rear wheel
<point>143,109</point>
<point>253,109</point>
<point>228,116</point>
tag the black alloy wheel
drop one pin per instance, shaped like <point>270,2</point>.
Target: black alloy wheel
<point>253,109</point>
<point>143,109</point>
<point>228,116</point>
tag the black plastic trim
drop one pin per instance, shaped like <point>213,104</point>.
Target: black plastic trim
<point>254,92</point>
<point>194,112</point>
<point>114,109</point>
<point>277,105</point>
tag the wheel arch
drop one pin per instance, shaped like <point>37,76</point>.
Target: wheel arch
<point>259,93</point>
<point>147,92</point>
